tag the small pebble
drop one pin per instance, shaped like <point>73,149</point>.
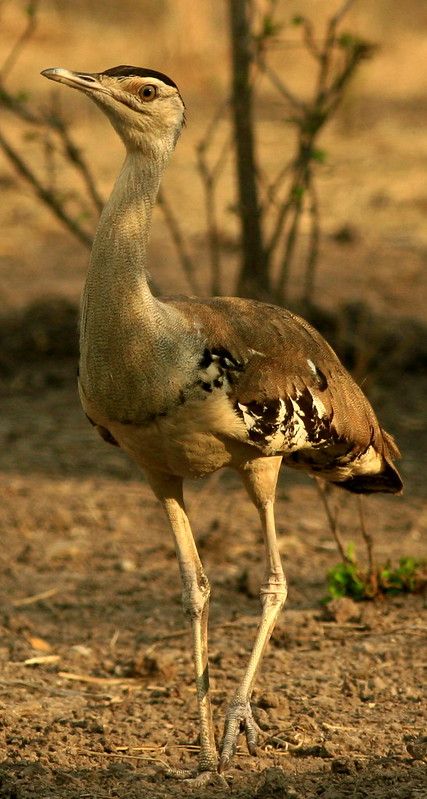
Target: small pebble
<point>342,610</point>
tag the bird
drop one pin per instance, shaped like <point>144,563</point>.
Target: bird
<point>188,385</point>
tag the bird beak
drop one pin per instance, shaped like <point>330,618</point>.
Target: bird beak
<point>77,80</point>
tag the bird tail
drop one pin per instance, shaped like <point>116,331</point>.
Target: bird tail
<point>391,450</point>
<point>386,480</point>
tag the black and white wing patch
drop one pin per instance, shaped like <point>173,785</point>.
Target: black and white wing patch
<point>217,369</point>
<point>288,423</point>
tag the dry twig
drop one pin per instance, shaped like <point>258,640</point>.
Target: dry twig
<point>46,195</point>
<point>209,176</point>
<point>185,258</point>
<point>18,46</point>
<point>308,118</point>
<point>68,675</point>
<point>31,600</point>
<point>332,517</point>
<point>121,755</point>
<point>40,660</point>
<point>367,537</point>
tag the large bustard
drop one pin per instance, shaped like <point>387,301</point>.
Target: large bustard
<point>187,385</point>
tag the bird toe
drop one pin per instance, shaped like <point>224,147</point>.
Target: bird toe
<point>239,719</point>
<point>198,779</point>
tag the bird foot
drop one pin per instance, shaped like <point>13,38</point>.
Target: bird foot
<point>198,779</point>
<point>239,718</point>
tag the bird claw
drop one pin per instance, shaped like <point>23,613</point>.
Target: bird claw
<point>239,719</point>
<point>198,779</point>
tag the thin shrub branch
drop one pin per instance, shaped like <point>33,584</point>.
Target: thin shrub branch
<point>178,239</point>
<point>46,195</point>
<point>27,33</point>
<point>332,517</point>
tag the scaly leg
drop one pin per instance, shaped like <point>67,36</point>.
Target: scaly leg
<point>260,478</point>
<point>195,599</point>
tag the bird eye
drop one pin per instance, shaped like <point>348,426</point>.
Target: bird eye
<point>148,92</point>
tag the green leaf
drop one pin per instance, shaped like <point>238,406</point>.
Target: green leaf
<point>351,552</point>
<point>298,192</point>
<point>407,577</point>
<point>270,28</point>
<point>319,155</point>
<point>347,40</point>
<point>344,580</point>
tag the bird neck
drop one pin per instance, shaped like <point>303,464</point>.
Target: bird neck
<point>119,254</point>
<point>117,294</point>
<point>128,338</point>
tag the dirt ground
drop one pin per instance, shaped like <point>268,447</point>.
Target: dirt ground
<point>96,690</point>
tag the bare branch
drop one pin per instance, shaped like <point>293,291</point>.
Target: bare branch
<point>341,12</point>
<point>17,107</point>
<point>47,196</point>
<point>210,176</point>
<point>209,179</point>
<point>309,119</point>
<point>332,518</point>
<point>53,122</point>
<point>359,51</point>
<point>212,231</point>
<point>329,43</point>
<point>310,40</point>
<point>289,250</point>
<point>14,53</point>
<point>73,154</point>
<point>279,85</point>
<point>274,187</point>
<point>220,162</point>
<point>178,239</point>
<point>44,192</point>
<point>369,543</point>
<point>217,116</point>
<point>313,247</point>
<point>278,228</point>
<point>284,208</point>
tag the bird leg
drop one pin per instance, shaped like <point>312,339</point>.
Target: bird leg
<point>195,599</point>
<point>260,478</point>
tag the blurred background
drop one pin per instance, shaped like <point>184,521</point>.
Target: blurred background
<point>371,187</point>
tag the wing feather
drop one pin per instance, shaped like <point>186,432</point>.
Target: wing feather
<point>292,392</point>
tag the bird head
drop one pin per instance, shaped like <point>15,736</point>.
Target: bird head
<point>144,106</point>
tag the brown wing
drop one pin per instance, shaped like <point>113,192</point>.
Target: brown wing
<point>285,379</point>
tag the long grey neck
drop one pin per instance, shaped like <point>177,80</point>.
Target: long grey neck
<point>128,338</point>
<point>118,266</point>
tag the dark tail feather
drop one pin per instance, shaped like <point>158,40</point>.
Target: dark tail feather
<point>388,482</point>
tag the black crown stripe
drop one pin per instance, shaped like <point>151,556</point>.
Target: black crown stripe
<point>124,71</point>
